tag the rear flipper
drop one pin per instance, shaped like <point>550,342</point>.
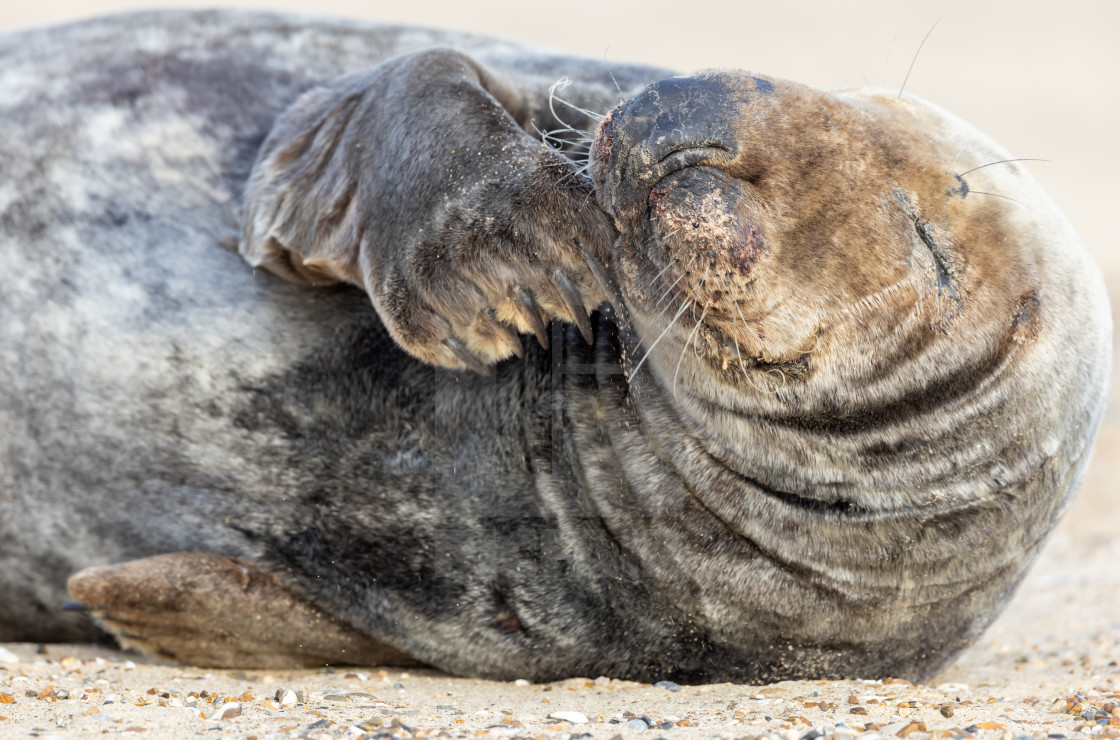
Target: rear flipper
<point>211,610</point>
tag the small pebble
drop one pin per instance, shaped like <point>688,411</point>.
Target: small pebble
<point>668,685</point>
<point>7,656</point>
<point>286,698</point>
<point>228,710</point>
<point>576,718</point>
<point>637,724</point>
<point>521,682</point>
<point>946,710</point>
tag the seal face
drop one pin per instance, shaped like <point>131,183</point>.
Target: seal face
<point>780,210</point>
<point>821,396</point>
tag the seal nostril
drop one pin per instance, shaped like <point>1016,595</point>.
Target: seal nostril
<point>698,151</point>
<point>682,158</point>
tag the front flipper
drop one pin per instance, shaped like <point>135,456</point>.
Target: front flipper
<point>214,611</point>
<point>416,183</point>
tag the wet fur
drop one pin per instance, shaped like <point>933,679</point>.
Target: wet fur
<point>572,514</point>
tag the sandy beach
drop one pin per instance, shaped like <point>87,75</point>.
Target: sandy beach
<point>1041,78</point>
<point>1048,668</point>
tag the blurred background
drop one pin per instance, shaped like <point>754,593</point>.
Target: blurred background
<point>1041,76</point>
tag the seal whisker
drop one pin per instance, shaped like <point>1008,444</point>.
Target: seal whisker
<point>578,146</point>
<point>915,59</point>
<point>661,272</point>
<point>560,84</point>
<point>585,135</point>
<point>650,286</point>
<point>703,280</point>
<point>668,292</point>
<point>739,357</point>
<point>1001,161</point>
<point>739,351</point>
<point>611,73</point>
<point>589,113</point>
<point>742,366</point>
<point>781,375</point>
<point>573,142</point>
<point>656,238</point>
<point>692,334</point>
<point>660,336</point>
<point>583,168</point>
<point>996,195</point>
<point>575,147</point>
<point>575,180</point>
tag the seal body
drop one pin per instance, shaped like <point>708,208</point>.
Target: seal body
<point>833,404</point>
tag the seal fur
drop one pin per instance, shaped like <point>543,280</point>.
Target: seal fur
<point>847,479</point>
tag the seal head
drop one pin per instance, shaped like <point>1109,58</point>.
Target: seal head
<point>776,210</point>
<point>893,373</point>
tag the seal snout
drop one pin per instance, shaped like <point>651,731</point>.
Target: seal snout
<point>709,240</point>
<point>666,165</point>
<point>698,210</point>
<point>672,124</point>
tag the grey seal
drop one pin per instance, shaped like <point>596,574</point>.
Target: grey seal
<point>805,400</point>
